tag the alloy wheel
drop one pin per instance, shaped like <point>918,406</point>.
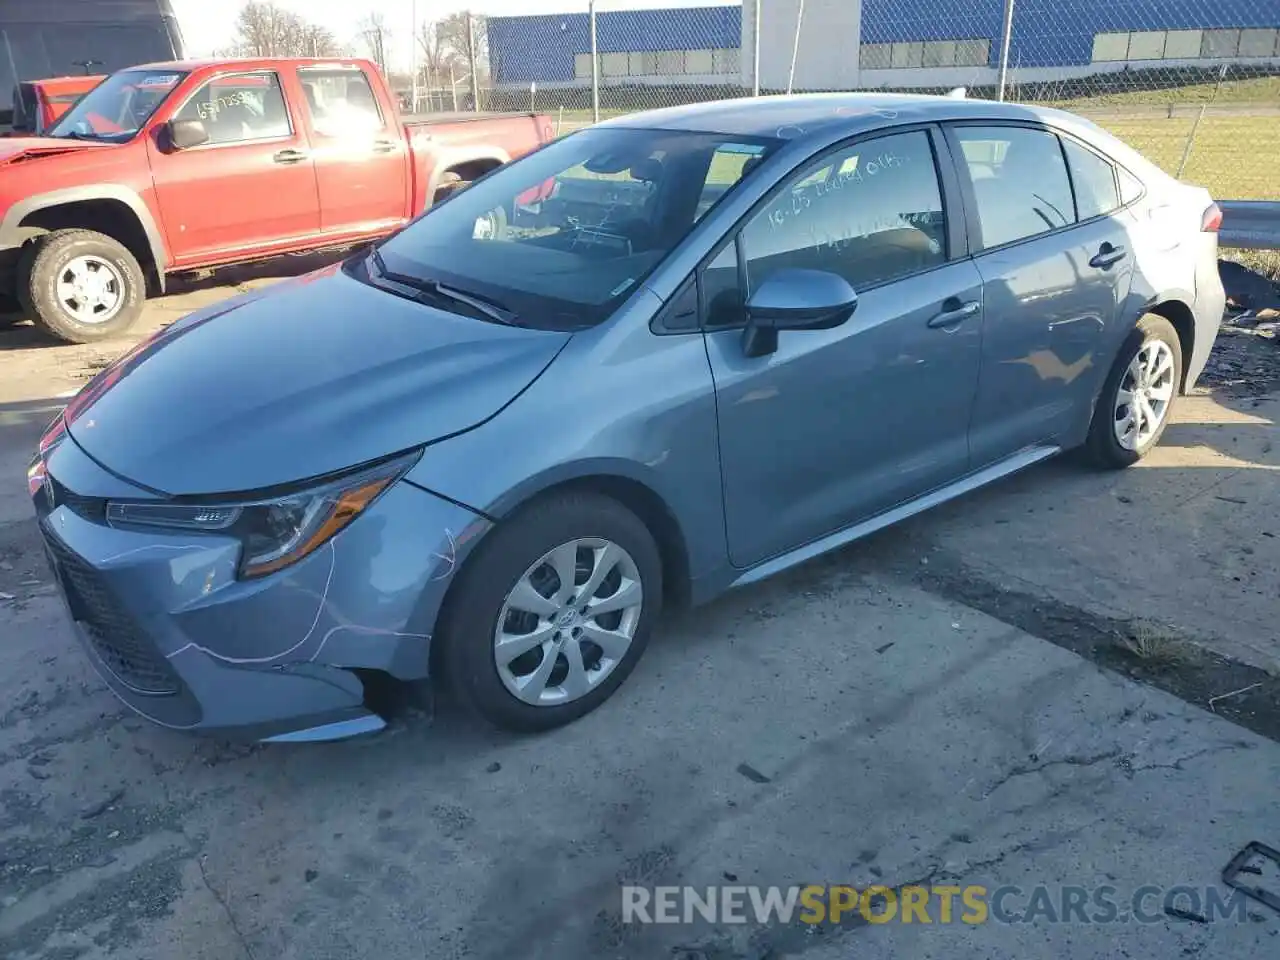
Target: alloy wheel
<point>1145,394</point>
<point>568,622</point>
<point>90,289</point>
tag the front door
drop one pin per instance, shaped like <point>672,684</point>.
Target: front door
<point>1055,268</point>
<point>362,152</point>
<point>251,187</point>
<point>838,425</point>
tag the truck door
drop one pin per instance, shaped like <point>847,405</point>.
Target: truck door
<point>361,152</point>
<point>251,187</point>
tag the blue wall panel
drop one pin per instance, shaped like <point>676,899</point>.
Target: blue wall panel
<point>542,48</point>
<point>1046,33</point>
<point>1053,33</point>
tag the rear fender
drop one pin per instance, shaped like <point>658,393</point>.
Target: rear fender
<point>444,159</point>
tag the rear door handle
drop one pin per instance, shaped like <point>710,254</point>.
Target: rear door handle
<point>383,146</point>
<point>1107,256</point>
<point>954,313</point>
<point>290,156</point>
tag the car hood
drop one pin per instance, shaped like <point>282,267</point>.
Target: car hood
<point>15,149</point>
<point>307,379</point>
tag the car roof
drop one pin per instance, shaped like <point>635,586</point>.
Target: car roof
<point>816,114</point>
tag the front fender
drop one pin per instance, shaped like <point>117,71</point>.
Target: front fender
<point>14,235</point>
<point>617,403</point>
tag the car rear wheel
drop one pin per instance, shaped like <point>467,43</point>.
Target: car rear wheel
<point>552,614</point>
<point>81,286</point>
<point>1138,396</point>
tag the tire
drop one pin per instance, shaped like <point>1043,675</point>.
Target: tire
<point>470,622</point>
<point>1155,335</point>
<point>450,183</point>
<point>494,225</point>
<point>47,262</point>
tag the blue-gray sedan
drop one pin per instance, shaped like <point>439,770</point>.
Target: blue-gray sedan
<point>662,357</point>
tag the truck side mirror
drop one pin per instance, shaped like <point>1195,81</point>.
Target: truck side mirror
<point>185,134</point>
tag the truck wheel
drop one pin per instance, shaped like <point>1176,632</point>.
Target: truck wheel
<point>450,183</point>
<point>81,286</point>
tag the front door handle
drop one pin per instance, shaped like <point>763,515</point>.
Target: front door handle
<point>383,146</point>
<point>290,156</point>
<point>1107,256</point>
<point>954,312</point>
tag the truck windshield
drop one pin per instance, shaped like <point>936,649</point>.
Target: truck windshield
<point>562,235</point>
<point>118,107</point>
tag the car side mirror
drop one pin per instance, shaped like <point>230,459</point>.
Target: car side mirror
<point>185,134</point>
<point>795,299</point>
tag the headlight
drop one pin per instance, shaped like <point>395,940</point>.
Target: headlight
<point>276,531</point>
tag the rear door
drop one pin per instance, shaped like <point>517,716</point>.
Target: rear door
<point>361,151</point>
<point>251,187</point>
<point>1055,267</point>
<point>838,425</point>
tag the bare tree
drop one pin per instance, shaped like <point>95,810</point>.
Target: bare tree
<point>264,29</point>
<point>437,54</point>
<point>470,40</point>
<point>375,35</point>
<point>318,41</point>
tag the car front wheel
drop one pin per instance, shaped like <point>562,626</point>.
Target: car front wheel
<point>553,613</point>
<point>1138,395</point>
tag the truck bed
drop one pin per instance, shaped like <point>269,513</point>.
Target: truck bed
<point>460,116</point>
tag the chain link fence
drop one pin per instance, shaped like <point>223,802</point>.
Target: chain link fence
<point>1193,84</point>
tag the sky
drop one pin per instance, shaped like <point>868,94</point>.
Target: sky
<point>209,25</point>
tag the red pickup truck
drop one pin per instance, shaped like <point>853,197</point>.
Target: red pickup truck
<point>173,167</point>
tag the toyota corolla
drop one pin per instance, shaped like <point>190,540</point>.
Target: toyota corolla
<point>662,357</point>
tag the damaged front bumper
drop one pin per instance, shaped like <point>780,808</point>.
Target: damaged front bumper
<point>186,644</point>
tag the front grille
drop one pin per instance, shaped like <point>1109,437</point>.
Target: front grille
<point>114,635</point>
<point>93,509</point>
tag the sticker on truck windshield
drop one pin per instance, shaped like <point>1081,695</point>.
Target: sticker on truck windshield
<point>159,80</point>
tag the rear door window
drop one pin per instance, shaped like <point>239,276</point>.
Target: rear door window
<point>1019,181</point>
<point>341,102</point>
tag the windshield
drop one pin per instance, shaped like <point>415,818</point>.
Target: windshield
<point>118,107</point>
<point>559,237</point>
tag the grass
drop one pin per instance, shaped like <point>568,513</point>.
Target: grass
<point>1234,157</point>
<point>1264,262</point>
<point>1251,90</point>
<point>1152,643</point>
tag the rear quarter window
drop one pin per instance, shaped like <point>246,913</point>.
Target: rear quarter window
<point>1130,187</point>
<point>1094,181</point>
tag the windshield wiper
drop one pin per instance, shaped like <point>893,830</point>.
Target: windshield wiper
<point>434,288</point>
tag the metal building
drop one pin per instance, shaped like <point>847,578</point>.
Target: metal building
<point>870,43</point>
